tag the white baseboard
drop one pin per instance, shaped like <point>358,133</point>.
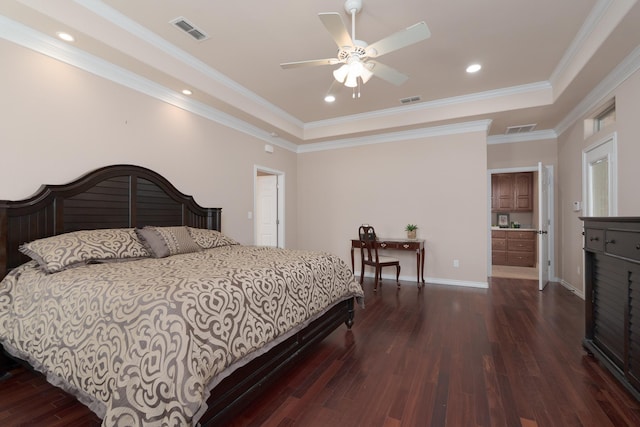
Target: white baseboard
<point>433,280</point>
<point>572,288</point>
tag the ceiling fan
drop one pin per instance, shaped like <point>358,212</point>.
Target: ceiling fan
<point>356,55</point>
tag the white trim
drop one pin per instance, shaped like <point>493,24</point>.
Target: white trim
<point>281,205</point>
<point>612,159</point>
<point>538,135</point>
<point>453,129</point>
<point>115,17</point>
<point>452,282</point>
<point>602,91</point>
<point>445,102</point>
<point>429,280</point>
<point>587,28</point>
<point>550,205</point>
<point>572,288</point>
<point>61,51</point>
<point>27,37</point>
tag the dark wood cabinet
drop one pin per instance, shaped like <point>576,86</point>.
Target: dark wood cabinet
<point>513,247</point>
<point>499,247</point>
<point>523,191</point>
<point>612,296</point>
<point>512,192</point>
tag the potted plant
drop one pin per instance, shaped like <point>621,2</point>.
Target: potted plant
<point>411,231</point>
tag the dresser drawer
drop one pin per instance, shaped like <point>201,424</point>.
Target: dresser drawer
<point>500,234</point>
<point>623,243</point>
<point>499,257</point>
<point>520,245</point>
<point>522,235</point>
<point>594,239</point>
<point>499,244</point>
<point>521,259</point>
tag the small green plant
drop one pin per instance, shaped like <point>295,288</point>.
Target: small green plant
<point>411,227</point>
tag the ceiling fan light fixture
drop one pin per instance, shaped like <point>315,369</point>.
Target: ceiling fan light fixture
<point>352,80</point>
<point>366,75</point>
<point>341,73</point>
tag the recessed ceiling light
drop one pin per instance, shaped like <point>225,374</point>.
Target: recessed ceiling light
<point>329,98</point>
<point>187,92</point>
<point>65,36</point>
<point>474,68</point>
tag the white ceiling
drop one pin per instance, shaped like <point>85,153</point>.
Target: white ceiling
<point>540,58</point>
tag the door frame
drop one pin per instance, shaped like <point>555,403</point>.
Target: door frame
<point>280,201</point>
<point>550,204</point>
<point>608,145</point>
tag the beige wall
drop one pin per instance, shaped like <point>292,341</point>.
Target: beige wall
<point>522,154</point>
<point>570,146</point>
<point>432,182</point>
<point>59,122</point>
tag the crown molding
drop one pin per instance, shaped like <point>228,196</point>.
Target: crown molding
<point>115,17</point>
<point>453,129</point>
<point>431,105</point>
<point>602,91</point>
<point>27,37</point>
<point>581,37</point>
<point>522,137</point>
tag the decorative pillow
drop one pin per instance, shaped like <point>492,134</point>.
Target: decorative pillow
<point>59,252</point>
<point>165,241</point>
<point>208,239</point>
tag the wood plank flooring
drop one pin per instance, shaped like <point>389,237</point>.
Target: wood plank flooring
<point>442,356</point>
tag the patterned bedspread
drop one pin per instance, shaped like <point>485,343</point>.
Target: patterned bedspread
<point>143,342</point>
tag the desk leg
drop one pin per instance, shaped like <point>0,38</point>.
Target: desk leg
<point>422,255</point>
<point>352,266</point>
<point>418,267</point>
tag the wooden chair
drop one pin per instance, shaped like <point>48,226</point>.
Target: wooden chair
<point>369,256</point>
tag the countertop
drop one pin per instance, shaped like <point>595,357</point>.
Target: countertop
<point>514,229</point>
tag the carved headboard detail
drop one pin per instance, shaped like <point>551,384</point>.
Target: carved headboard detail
<point>118,196</point>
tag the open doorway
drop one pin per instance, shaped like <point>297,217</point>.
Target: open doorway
<point>268,207</point>
<point>516,230</point>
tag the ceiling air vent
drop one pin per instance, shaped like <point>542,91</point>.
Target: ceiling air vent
<point>410,99</point>
<point>189,28</point>
<point>520,129</point>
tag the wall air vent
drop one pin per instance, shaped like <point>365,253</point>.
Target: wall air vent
<point>410,99</point>
<point>186,26</point>
<point>520,129</point>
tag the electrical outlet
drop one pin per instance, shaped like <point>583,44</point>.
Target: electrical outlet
<point>456,263</point>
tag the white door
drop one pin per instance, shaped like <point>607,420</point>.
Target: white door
<point>543,226</point>
<point>267,210</point>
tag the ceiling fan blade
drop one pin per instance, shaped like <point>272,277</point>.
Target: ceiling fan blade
<point>386,73</point>
<point>334,24</point>
<point>310,63</point>
<point>406,37</point>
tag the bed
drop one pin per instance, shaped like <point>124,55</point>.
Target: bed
<point>123,291</point>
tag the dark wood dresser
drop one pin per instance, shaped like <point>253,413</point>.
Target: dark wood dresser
<point>612,296</point>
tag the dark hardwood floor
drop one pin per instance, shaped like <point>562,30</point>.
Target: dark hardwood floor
<point>443,356</point>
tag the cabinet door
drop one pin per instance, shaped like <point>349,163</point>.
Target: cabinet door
<point>505,191</point>
<point>495,191</point>
<point>633,370</point>
<point>609,297</point>
<point>523,191</point>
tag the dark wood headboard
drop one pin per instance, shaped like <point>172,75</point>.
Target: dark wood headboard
<point>119,196</point>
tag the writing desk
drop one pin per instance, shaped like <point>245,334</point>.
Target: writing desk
<point>416,245</point>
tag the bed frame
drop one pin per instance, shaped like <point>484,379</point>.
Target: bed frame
<point>123,196</point>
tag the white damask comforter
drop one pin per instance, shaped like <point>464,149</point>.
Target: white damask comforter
<point>143,342</point>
